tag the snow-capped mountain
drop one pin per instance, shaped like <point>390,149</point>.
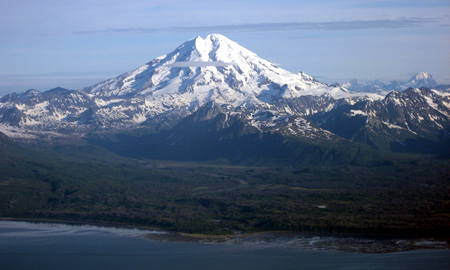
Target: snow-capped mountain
<point>401,121</point>
<point>418,80</point>
<point>163,91</point>
<point>249,94</point>
<point>211,69</point>
<point>421,79</point>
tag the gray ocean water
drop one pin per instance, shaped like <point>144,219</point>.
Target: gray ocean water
<point>58,246</point>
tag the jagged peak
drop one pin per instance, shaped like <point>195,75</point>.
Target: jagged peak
<point>215,36</point>
<point>392,96</point>
<point>216,39</point>
<point>30,93</point>
<point>214,50</point>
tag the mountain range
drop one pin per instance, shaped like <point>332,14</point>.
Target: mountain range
<point>212,99</point>
<point>418,80</point>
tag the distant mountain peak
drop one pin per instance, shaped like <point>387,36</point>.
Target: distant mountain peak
<point>421,76</point>
<point>418,80</point>
<point>422,79</point>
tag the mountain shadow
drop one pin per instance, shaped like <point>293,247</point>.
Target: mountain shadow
<point>211,134</point>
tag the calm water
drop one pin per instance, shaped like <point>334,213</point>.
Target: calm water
<point>58,246</point>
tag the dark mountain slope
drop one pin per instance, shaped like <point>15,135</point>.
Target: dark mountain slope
<point>414,121</point>
<point>218,132</point>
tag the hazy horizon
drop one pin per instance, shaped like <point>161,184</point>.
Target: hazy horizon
<point>75,44</point>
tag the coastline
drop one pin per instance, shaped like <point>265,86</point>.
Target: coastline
<point>363,243</point>
<point>78,222</point>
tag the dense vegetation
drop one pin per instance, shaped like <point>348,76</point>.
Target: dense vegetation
<point>398,195</point>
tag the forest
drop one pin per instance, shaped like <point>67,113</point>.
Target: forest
<point>398,195</point>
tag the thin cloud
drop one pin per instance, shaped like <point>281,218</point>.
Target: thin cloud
<point>264,27</point>
<point>199,64</point>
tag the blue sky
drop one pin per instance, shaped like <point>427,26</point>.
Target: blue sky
<point>74,44</point>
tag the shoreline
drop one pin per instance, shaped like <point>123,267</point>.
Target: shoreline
<point>77,222</point>
<point>343,242</point>
<point>203,236</point>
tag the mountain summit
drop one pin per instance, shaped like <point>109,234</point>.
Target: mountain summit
<point>422,79</point>
<point>211,69</point>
